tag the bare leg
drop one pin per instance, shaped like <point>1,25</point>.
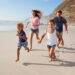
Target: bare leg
<point>31,37</point>
<point>62,41</point>
<point>18,54</point>
<point>27,49</point>
<point>59,41</point>
<point>53,56</point>
<point>49,50</point>
<point>37,36</point>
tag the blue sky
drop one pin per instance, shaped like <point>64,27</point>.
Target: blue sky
<point>21,9</point>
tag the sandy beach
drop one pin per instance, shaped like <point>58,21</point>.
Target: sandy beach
<point>36,62</point>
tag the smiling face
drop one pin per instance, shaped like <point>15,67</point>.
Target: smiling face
<point>51,24</point>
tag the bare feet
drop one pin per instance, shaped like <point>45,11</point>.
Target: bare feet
<point>62,43</point>
<point>27,49</point>
<point>16,60</point>
<point>30,49</point>
<point>53,57</point>
<point>58,46</point>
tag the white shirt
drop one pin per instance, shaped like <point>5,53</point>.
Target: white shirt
<point>51,38</point>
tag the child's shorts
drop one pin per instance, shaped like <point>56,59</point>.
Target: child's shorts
<point>48,46</point>
<point>22,44</point>
<point>35,30</point>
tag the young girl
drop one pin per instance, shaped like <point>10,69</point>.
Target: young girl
<point>35,22</point>
<point>51,39</point>
<point>22,39</point>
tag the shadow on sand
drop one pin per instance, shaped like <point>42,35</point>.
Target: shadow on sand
<point>61,63</point>
<point>39,50</point>
<point>68,48</point>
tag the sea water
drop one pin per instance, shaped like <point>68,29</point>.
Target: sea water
<point>11,26</point>
<point>7,25</point>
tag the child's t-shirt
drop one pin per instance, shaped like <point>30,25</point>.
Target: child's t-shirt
<point>35,22</point>
<point>51,36</point>
<point>22,33</point>
<point>59,21</point>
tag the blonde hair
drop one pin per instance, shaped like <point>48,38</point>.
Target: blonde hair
<point>20,25</point>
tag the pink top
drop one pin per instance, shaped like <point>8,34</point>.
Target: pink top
<point>35,22</point>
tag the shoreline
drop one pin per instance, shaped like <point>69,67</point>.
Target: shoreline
<point>29,28</point>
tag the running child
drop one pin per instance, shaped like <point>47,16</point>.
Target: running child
<point>35,22</point>
<point>60,21</point>
<point>22,39</point>
<point>51,39</point>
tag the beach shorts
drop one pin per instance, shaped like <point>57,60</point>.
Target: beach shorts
<point>48,46</point>
<point>22,44</point>
<point>35,30</point>
<point>59,30</point>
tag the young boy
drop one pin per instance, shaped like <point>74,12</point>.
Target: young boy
<point>60,21</point>
<point>51,39</point>
<point>22,39</point>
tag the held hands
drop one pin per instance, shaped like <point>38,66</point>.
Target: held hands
<point>40,40</point>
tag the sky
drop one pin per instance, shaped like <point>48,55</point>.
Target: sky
<point>22,9</point>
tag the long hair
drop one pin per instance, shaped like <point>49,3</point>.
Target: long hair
<point>37,13</point>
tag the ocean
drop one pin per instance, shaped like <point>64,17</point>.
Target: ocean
<point>7,25</point>
<point>11,25</point>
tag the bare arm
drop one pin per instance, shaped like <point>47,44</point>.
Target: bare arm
<point>17,33</point>
<point>66,26</point>
<point>42,37</point>
<point>27,24</point>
